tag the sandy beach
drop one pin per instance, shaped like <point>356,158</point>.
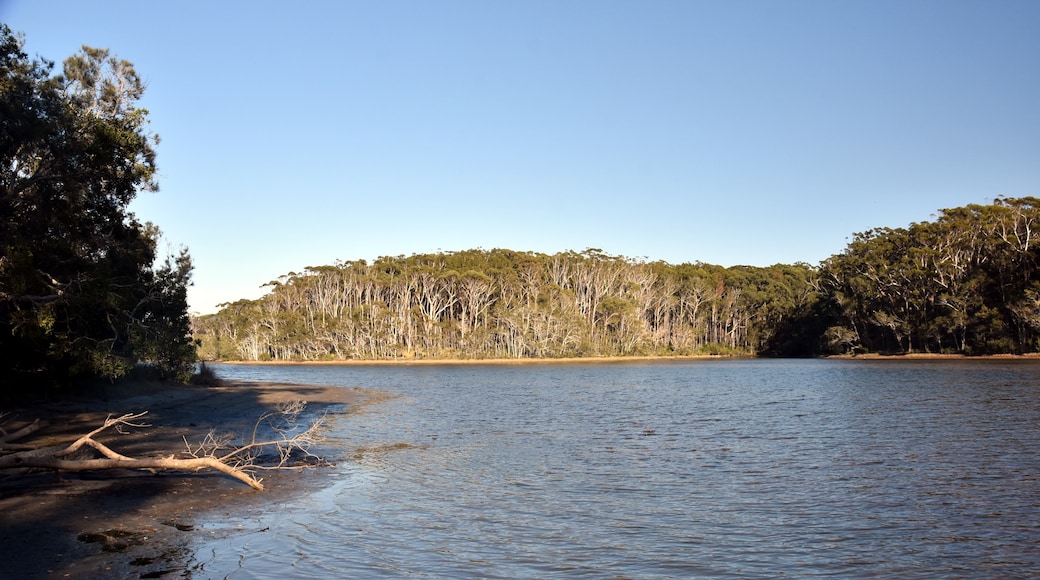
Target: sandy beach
<point>122,524</point>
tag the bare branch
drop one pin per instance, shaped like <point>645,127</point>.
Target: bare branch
<point>216,452</point>
<point>21,433</point>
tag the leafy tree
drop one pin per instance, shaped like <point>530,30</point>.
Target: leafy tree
<point>79,295</point>
<point>507,304</point>
<point>963,283</point>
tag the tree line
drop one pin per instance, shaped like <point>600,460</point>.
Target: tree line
<point>963,283</point>
<point>507,304</point>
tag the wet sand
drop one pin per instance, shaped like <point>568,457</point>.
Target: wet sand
<point>136,524</point>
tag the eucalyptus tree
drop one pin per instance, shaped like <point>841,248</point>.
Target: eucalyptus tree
<point>963,283</point>
<point>502,303</point>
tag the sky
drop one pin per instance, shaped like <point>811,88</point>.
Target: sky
<point>726,132</point>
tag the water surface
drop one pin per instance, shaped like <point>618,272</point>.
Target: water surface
<point>740,468</point>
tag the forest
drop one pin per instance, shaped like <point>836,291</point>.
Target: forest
<point>507,304</point>
<point>963,283</point>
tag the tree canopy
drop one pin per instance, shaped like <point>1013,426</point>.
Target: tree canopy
<point>80,291</point>
<point>508,304</point>
<point>964,283</point>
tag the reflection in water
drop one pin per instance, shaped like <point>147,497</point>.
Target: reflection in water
<point>705,468</point>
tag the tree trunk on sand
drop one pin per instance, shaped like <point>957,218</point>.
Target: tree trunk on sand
<point>239,461</point>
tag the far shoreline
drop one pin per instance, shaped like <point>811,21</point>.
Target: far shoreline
<point>935,356</point>
<point>478,361</point>
<point>615,359</point>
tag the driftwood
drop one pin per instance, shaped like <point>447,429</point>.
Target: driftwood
<point>7,438</point>
<point>217,452</point>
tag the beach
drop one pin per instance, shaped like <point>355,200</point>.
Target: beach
<point>123,523</point>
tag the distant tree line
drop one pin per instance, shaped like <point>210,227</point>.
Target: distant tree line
<point>508,304</point>
<point>964,283</point>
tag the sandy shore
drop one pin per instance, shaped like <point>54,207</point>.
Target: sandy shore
<point>123,524</point>
<point>486,361</point>
<point>619,359</point>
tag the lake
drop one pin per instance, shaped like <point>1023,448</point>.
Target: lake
<point>678,469</point>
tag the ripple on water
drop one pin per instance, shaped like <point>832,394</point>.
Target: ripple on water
<point>708,468</point>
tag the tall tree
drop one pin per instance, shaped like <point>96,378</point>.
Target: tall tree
<point>79,292</point>
<point>963,283</point>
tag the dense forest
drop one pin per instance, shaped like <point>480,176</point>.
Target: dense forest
<point>507,304</point>
<point>81,294</point>
<point>963,283</point>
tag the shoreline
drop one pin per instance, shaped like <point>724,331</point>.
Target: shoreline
<point>615,359</point>
<point>935,356</point>
<point>482,361</point>
<point>123,523</point>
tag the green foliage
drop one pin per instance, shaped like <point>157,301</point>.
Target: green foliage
<point>965,283</point>
<point>507,304</point>
<point>79,296</point>
<point>961,284</point>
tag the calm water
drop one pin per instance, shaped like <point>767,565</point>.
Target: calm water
<point>741,468</point>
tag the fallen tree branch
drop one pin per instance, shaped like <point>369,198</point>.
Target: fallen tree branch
<point>214,452</point>
<point>88,439</point>
<point>7,438</point>
<point>282,423</point>
<point>192,464</point>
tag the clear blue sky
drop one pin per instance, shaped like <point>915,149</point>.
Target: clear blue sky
<point>726,132</point>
